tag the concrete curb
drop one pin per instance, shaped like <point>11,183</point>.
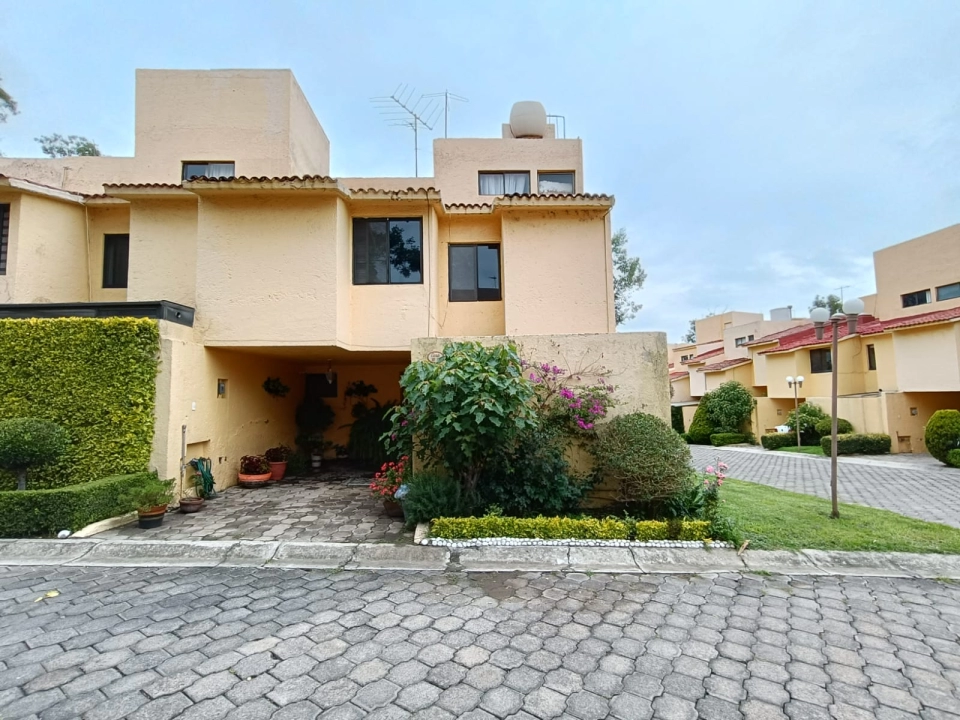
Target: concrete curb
<point>494,558</point>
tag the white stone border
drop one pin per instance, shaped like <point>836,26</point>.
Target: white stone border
<point>514,542</point>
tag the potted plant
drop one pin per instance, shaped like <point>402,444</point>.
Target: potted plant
<point>254,471</point>
<point>386,483</point>
<point>150,500</point>
<point>277,457</point>
<point>190,504</point>
<point>314,416</point>
<point>340,451</point>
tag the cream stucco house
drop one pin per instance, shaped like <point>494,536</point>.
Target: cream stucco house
<point>901,366</point>
<point>226,226</point>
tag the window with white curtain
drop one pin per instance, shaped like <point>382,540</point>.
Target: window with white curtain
<point>504,183</point>
<point>193,170</point>
<point>555,183</point>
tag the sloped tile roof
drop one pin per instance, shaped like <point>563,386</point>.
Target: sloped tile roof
<point>807,337</point>
<point>777,335</point>
<point>708,354</point>
<point>678,375</point>
<point>922,319</point>
<point>724,364</point>
<point>244,179</point>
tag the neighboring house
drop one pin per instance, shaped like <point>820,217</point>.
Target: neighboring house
<point>901,366</point>
<point>268,267</point>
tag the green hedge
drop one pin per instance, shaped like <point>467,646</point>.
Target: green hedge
<point>95,377</point>
<point>676,418</point>
<point>43,513</point>
<point>858,444</point>
<point>942,433</point>
<point>721,439</point>
<point>825,427</point>
<point>953,458</point>
<point>775,441</point>
<point>559,528</point>
<point>700,428</point>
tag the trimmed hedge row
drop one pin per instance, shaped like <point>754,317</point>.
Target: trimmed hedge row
<point>96,378</point>
<point>721,439</point>
<point>825,427</point>
<point>559,528</point>
<point>858,444</point>
<point>43,513</point>
<point>775,441</point>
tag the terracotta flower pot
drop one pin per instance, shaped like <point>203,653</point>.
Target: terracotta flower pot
<point>190,505</point>
<point>393,509</point>
<point>151,518</point>
<point>278,470</point>
<point>253,481</point>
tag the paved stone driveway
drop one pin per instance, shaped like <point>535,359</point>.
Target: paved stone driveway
<point>310,511</point>
<point>920,491</point>
<point>238,643</point>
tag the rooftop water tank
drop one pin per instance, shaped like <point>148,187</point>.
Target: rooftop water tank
<point>528,119</point>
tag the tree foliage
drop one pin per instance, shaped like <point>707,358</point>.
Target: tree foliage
<point>808,415</point>
<point>30,442</point>
<point>729,407</point>
<point>57,145</point>
<point>691,336</point>
<point>942,433</point>
<point>628,276</point>
<point>831,302</point>
<point>8,106</point>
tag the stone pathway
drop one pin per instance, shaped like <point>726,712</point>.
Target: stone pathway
<point>310,511</point>
<point>921,491</point>
<point>238,643</point>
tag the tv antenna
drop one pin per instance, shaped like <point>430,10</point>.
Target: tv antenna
<point>841,289</point>
<point>447,97</point>
<point>399,109</point>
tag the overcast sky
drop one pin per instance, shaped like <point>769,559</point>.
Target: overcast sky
<point>759,151</point>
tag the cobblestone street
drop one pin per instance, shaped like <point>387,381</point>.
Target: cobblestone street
<point>922,490</point>
<point>241,643</point>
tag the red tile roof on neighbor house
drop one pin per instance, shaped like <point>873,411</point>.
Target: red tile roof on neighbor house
<point>724,364</point>
<point>922,319</point>
<point>678,375</point>
<point>772,337</point>
<point>703,356</point>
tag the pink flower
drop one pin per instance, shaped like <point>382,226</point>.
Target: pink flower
<point>723,466</point>
<point>710,469</point>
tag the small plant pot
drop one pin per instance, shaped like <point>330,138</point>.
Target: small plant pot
<point>316,460</point>
<point>253,481</point>
<point>151,518</point>
<point>278,470</point>
<point>393,509</point>
<point>191,505</point>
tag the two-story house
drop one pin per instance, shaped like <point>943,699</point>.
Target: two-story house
<point>226,225</point>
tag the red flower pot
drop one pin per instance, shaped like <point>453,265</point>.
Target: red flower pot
<point>253,481</point>
<point>278,470</point>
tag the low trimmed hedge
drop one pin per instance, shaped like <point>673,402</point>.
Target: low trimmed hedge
<point>43,513</point>
<point>825,427</point>
<point>858,444</point>
<point>559,528</point>
<point>721,439</point>
<point>953,458</point>
<point>775,441</point>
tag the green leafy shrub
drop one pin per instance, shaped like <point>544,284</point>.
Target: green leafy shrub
<point>824,427</point>
<point>721,439</point>
<point>96,378</point>
<point>148,494</point>
<point>700,428</point>
<point>430,496</point>
<point>647,530</point>
<point>688,502</point>
<point>369,426</point>
<point>43,513</point>
<point>694,530</point>
<point>27,443</point>
<point>942,433</point>
<point>809,415</point>
<point>676,418</point>
<point>775,441</point>
<point>858,444</point>
<point>646,457</point>
<point>953,458</point>
<point>729,407</point>
<point>542,528</point>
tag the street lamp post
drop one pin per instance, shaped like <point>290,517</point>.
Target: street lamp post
<point>796,383</point>
<point>821,316</point>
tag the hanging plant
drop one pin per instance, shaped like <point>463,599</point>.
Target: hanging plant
<point>274,386</point>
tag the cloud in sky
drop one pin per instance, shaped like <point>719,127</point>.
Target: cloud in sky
<point>760,152</point>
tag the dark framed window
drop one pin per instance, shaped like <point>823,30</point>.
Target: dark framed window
<point>871,357</point>
<point>193,170</point>
<point>948,292</point>
<point>920,297</point>
<point>555,183</point>
<point>474,272</point>
<point>387,251</point>
<point>741,341</point>
<point>820,361</point>
<point>4,235</point>
<point>504,183</point>
<point>116,260</point>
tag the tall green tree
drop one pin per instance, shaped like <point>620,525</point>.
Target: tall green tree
<point>691,336</point>
<point>57,145</point>
<point>627,277</point>
<point>831,302</point>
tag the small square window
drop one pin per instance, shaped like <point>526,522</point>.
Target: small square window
<point>221,388</point>
<point>504,183</point>
<point>387,251</point>
<point>948,292</point>
<point>474,272</point>
<point>193,170</point>
<point>555,183</point>
<point>820,361</point>
<point>741,341</point>
<point>920,297</point>
<point>116,260</point>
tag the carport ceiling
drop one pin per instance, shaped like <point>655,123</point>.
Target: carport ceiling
<point>314,354</point>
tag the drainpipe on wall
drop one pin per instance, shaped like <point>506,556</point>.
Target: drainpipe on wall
<point>86,232</point>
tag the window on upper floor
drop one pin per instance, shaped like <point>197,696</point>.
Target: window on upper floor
<point>871,357</point>
<point>742,340</point>
<point>116,260</point>
<point>920,297</point>
<point>749,338</point>
<point>504,183</point>
<point>4,236</point>
<point>474,272</point>
<point>558,183</point>
<point>948,292</point>
<point>387,251</point>
<point>820,361</point>
<point>684,358</point>
<point>193,170</point>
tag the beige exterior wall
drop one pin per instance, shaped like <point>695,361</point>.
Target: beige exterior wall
<point>738,373</point>
<point>865,412</point>
<point>467,318</point>
<point>710,329</point>
<point>906,416</point>
<point>850,381</point>
<point>688,412</point>
<point>103,220</point>
<point>457,162</point>
<point>681,390</point>
<point>163,251</point>
<point>756,328</point>
<point>923,263</point>
<point>675,351</point>
<point>770,413</point>
<point>928,358</point>
<point>8,281</point>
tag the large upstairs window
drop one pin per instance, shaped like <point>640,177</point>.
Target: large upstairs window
<point>920,297</point>
<point>474,272</point>
<point>193,170</point>
<point>4,235</point>
<point>820,361</point>
<point>504,183</point>
<point>555,183</point>
<point>948,292</point>
<point>116,260</point>
<point>387,251</point>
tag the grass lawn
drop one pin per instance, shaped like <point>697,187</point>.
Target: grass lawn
<point>773,519</point>
<point>805,450</point>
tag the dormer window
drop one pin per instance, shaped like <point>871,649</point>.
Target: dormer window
<point>193,170</point>
<point>555,183</point>
<point>504,183</point>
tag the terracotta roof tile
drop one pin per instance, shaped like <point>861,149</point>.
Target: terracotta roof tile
<point>678,375</point>
<point>130,186</point>
<point>777,335</point>
<point>807,337</point>
<point>922,319</point>
<point>243,179</point>
<point>708,354</point>
<point>724,364</point>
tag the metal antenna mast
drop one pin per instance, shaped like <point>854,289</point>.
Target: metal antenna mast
<point>841,289</point>
<point>399,109</point>
<point>447,97</point>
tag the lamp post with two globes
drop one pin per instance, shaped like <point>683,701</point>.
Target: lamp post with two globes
<point>796,384</point>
